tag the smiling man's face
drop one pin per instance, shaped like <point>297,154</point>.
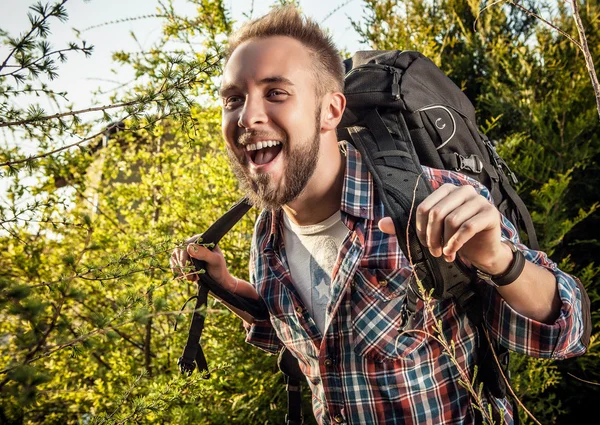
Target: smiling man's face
<point>271,118</point>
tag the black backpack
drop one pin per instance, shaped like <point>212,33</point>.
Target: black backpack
<point>402,112</point>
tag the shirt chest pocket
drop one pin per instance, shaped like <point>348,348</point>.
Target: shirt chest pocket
<point>377,315</point>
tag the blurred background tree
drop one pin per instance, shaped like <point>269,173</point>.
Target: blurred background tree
<point>97,199</point>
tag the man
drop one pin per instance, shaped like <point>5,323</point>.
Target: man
<point>327,263</point>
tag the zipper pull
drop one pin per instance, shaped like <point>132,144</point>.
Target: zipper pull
<point>395,85</point>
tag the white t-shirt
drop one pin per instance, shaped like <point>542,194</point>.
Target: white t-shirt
<point>311,252</point>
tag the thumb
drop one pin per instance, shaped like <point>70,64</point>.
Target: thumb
<point>386,225</point>
<point>201,253</point>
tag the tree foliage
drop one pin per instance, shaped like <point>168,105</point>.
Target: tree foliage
<point>88,302</point>
<point>97,199</point>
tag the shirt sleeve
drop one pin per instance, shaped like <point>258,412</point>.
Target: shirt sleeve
<point>261,333</point>
<point>559,340</point>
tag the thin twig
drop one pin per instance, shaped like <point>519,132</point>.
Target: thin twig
<point>33,62</point>
<point>429,311</point>
<point>70,113</point>
<point>83,275</point>
<point>336,9</point>
<point>124,398</point>
<point>589,62</point>
<point>98,331</point>
<point>550,24</point>
<point>583,380</point>
<point>487,6</point>
<point>505,378</point>
<point>33,28</point>
<point>62,148</point>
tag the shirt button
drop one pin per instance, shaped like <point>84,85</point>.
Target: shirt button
<point>338,419</point>
<point>299,310</point>
<point>328,362</point>
<point>383,283</point>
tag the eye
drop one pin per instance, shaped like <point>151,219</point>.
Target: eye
<point>232,101</point>
<point>277,94</point>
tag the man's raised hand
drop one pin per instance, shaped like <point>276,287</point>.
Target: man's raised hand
<point>457,220</point>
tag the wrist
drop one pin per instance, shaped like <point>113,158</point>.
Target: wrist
<point>499,263</point>
<point>511,273</point>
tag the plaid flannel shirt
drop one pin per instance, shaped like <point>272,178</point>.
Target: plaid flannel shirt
<point>363,370</point>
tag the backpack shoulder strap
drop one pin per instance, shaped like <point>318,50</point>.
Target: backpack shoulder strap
<point>193,355</point>
<point>398,177</point>
<point>288,365</point>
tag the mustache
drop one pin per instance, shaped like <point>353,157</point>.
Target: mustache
<point>247,137</point>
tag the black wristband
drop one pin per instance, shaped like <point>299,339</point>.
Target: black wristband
<point>509,276</point>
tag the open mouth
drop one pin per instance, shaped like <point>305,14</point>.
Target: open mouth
<point>262,153</point>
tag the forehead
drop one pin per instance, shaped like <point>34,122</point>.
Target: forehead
<point>267,58</point>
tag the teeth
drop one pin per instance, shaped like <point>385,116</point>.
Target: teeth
<point>262,145</point>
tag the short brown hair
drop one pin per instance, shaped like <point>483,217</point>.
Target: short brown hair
<point>287,21</point>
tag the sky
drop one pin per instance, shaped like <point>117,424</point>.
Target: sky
<point>81,76</point>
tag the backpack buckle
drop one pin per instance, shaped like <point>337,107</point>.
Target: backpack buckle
<point>471,163</point>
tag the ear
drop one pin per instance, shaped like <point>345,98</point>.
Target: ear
<point>332,110</point>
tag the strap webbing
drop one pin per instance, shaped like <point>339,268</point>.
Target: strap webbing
<point>524,215</point>
<point>192,351</point>
<point>289,366</point>
<point>294,393</point>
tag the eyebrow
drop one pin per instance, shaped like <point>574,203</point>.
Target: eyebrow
<point>268,80</point>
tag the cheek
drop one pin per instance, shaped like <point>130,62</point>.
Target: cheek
<point>290,115</point>
<point>229,129</point>
<point>298,118</point>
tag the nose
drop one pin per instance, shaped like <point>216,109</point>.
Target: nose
<point>253,113</point>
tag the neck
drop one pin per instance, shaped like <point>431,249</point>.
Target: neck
<point>321,197</point>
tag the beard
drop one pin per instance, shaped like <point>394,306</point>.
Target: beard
<point>262,190</point>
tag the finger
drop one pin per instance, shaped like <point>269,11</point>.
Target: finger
<point>191,273</point>
<point>188,269</point>
<point>482,221</point>
<point>386,225</point>
<point>174,264</point>
<point>457,217</point>
<point>422,214</point>
<point>173,259</point>
<point>181,266</point>
<point>434,232</point>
